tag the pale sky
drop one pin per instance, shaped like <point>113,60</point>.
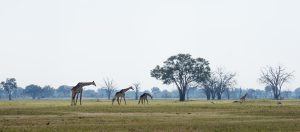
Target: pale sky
<point>58,42</point>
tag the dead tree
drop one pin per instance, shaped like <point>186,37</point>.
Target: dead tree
<point>275,77</point>
<point>136,90</point>
<point>224,81</point>
<point>209,87</point>
<point>109,86</point>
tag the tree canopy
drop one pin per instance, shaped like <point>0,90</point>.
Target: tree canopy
<point>182,70</point>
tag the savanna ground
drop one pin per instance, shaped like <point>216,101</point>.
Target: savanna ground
<point>159,115</point>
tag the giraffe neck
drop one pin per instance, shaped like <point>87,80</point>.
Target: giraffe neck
<point>149,95</point>
<point>125,90</point>
<point>82,84</point>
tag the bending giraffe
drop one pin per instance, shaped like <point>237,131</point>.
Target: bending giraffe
<point>121,94</point>
<point>243,98</point>
<point>143,98</point>
<point>76,90</point>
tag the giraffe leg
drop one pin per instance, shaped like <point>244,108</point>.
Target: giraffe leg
<point>72,98</point>
<point>139,101</point>
<point>124,100</point>
<point>147,101</point>
<point>118,99</point>
<point>76,95</point>
<point>113,100</point>
<point>80,97</point>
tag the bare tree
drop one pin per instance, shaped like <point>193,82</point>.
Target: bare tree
<point>110,87</point>
<point>137,87</point>
<point>224,80</point>
<point>275,77</point>
<point>209,87</point>
<point>228,91</point>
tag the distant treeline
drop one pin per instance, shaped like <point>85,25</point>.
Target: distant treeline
<point>64,91</point>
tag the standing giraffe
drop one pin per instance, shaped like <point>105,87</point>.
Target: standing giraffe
<point>76,90</point>
<point>143,97</point>
<point>121,94</point>
<point>243,98</point>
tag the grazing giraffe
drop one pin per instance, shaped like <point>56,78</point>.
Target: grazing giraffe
<point>143,97</point>
<point>76,90</point>
<point>121,94</point>
<point>243,98</point>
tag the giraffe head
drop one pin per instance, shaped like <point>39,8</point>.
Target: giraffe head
<point>131,88</point>
<point>94,83</point>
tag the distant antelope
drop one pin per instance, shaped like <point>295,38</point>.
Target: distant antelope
<point>243,98</point>
<point>121,94</point>
<point>143,97</point>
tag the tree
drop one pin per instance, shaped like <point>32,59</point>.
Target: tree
<point>156,92</point>
<point>90,93</point>
<point>275,77</point>
<point>18,93</point>
<point>189,91</point>
<point>165,94</point>
<point>268,89</point>
<point>227,92</point>
<point>47,92</point>
<point>64,91</point>
<point>297,93</point>
<point>251,93</point>
<point>209,87</point>
<point>224,80</point>
<point>101,92</point>
<point>286,94</point>
<point>34,91</point>
<point>136,90</point>
<point>9,86</point>
<point>182,70</point>
<point>110,88</point>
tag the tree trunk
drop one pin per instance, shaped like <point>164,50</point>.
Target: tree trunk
<point>219,95</point>
<point>213,96</point>
<point>182,93</point>
<point>208,96</point>
<point>9,96</point>
<point>181,97</point>
<point>136,96</point>
<point>275,92</point>
<point>228,96</point>
<point>187,95</point>
<point>207,93</point>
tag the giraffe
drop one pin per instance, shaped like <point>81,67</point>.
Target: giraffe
<point>76,90</point>
<point>143,97</point>
<point>243,98</point>
<point>121,94</point>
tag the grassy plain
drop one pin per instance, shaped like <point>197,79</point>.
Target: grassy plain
<point>159,115</point>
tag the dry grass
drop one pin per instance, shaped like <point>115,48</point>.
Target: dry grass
<point>57,115</point>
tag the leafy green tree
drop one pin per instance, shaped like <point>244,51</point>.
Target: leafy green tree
<point>9,86</point>
<point>34,91</point>
<point>182,70</point>
<point>64,91</point>
<point>47,92</point>
<point>297,93</point>
<point>156,92</point>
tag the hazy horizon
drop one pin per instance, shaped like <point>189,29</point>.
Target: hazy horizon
<point>62,42</point>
